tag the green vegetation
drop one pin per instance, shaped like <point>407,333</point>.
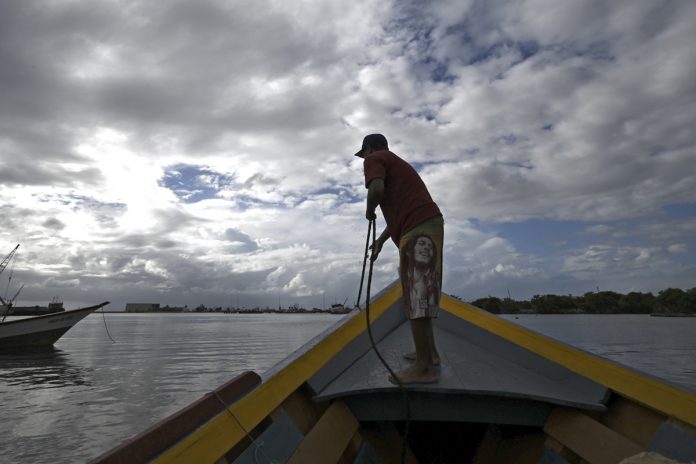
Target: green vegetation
<point>671,301</point>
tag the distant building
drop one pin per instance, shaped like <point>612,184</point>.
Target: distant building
<point>172,309</point>
<point>142,307</point>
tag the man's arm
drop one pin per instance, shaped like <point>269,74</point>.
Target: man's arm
<point>375,194</point>
<point>379,243</point>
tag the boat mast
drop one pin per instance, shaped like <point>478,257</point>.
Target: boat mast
<point>3,264</point>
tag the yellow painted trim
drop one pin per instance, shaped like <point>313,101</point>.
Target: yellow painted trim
<point>213,439</point>
<point>667,399</point>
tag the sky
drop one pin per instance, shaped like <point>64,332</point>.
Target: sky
<point>200,152</point>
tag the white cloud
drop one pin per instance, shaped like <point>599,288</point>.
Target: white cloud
<point>678,248</point>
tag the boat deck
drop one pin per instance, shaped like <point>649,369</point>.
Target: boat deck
<point>483,378</point>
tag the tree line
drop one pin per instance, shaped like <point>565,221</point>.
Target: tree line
<point>668,302</point>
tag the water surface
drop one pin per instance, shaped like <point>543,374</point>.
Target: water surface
<point>89,394</point>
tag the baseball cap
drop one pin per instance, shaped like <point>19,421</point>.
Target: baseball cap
<point>374,141</point>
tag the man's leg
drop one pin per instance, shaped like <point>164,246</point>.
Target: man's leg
<point>426,356</point>
<point>424,370</point>
<point>411,355</point>
<point>433,348</point>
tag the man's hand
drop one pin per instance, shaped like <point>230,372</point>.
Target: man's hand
<point>370,215</point>
<point>376,248</point>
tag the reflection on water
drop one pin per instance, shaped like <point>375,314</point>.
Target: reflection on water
<point>44,368</point>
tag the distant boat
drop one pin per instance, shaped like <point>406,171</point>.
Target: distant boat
<point>37,331</point>
<point>41,331</point>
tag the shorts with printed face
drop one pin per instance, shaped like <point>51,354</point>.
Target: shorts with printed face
<point>420,268</point>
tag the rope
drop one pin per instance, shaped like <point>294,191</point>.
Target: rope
<point>107,327</point>
<point>362,276</point>
<point>258,447</point>
<point>372,229</point>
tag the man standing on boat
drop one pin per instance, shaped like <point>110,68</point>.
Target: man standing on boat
<point>415,224</point>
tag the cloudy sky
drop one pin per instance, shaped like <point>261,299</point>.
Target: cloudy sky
<point>189,152</point>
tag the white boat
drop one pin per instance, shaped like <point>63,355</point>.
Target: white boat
<point>37,331</point>
<point>41,331</point>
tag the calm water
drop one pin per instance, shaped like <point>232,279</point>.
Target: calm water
<point>90,394</point>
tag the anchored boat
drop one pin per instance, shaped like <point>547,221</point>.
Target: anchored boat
<point>41,331</point>
<point>506,395</point>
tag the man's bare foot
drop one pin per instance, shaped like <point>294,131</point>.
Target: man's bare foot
<point>416,374</point>
<point>411,356</point>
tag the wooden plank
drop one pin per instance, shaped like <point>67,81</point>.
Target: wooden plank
<point>328,438</point>
<point>676,440</point>
<point>525,449</point>
<point>303,411</point>
<point>387,441</point>
<point>239,448</point>
<point>522,449</point>
<point>276,444</point>
<point>562,450</point>
<point>351,451</point>
<point>632,420</point>
<point>589,439</point>
<point>488,448</point>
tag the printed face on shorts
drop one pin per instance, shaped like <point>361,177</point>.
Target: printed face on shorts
<point>420,268</point>
<point>420,277</point>
<point>423,250</point>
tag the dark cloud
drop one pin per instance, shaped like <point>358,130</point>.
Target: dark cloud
<point>241,242</point>
<point>54,224</point>
<point>24,172</point>
<point>261,179</point>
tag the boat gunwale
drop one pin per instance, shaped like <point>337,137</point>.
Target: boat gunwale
<point>671,400</point>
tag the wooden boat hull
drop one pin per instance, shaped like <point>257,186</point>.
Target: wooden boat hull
<point>506,395</point>
<point>41,331</point>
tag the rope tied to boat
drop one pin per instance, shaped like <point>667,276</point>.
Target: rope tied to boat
<point>258,446</point>
<point>106,326</point>
<point>372,230</point>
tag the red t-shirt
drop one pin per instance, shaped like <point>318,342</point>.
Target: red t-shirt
<point>406,201</point>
